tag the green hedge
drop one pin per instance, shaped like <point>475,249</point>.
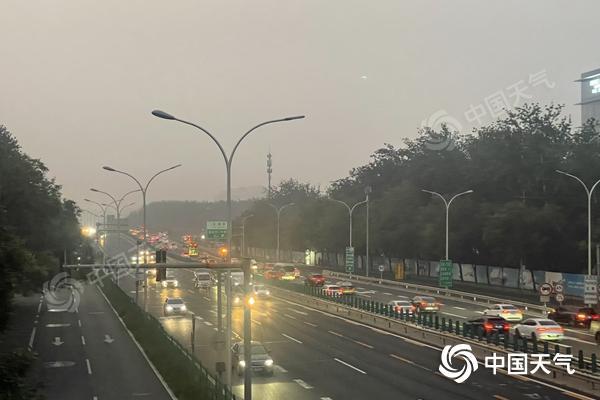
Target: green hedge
<point>184,374</point>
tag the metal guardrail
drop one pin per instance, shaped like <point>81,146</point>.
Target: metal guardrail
<point>422,289</point>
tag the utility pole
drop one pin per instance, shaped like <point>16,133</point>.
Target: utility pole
<point>269,171</point>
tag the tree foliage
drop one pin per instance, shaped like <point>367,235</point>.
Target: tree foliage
<point>522,212</point>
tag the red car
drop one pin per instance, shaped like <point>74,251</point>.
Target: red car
<point>274,275</point>
<point>315,280</point>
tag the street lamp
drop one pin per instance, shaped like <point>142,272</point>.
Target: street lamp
<point>103,208</point>
<point>244,233</point>
<point>228,162</point>
<point>589,193</point>
<point>350,212</point>
<point>447,204</point>
<point>368,191</point>
<point>278,212</point>
<point>118,209</point>
<point>144,190</point>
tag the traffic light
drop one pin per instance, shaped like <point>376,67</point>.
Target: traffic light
<point>161,258</point>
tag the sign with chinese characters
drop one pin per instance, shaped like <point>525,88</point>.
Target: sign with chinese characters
<point>216,230</point>
<point>349,260</point>
<point>590,289</point>
<point>446,273</point>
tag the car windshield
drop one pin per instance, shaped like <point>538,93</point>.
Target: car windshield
<point>175,301</point>
<point>496,320</point>
<point>509,307</point>
<point>547,322</point>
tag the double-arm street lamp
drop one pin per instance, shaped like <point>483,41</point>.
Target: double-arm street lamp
<point>447,203</point>
<point>144,190</point>
<point>589,193</point>
<point>118,209</point>
<point>228,161</point>
<point>350,212</point>
<point>244,233</point>
<point>278,211</point>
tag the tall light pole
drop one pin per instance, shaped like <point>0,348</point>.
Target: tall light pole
<point>117,207</point>
<point>103,208</point>
<point>244,233</point>
<point>228,162</point>
<point>447,204</point>
<point>144,190</point>
<point>278,212</point>
<point>350,212</point>
<point>367,193</point>
<point>589,193</point>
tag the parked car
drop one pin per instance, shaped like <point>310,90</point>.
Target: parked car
<point>402,306</point>
<point>425,304</point>
<point>174,305</point>
<point>506,311</point>
<point>315,280</point>
<point>260,361</point>
<point>574,316</point>
<point>489,325</point>
<point>595,330</point>
<point>544,329</point>
<point>346,287</point>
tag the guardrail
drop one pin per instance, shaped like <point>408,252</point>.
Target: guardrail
<point>433,323</point>
<point>422,289</point>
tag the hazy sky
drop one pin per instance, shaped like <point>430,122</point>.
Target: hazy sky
<point>79,78</point>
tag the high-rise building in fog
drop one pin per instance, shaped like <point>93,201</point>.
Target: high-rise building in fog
<point>590,95</point>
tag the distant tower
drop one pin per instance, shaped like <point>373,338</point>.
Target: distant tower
<point>269,170</point>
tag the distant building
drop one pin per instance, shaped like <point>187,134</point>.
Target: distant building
<point>590,95</point>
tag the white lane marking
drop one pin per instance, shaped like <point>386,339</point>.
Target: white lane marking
<point>579,332</point>
<point>303,384</point>
<point>454,315</point>
<point>460,308</point>
<point>414,342</point>
<point>388,294</point>
<point>336,334</point>
<point>479,312</point>
<point>89,368</point>
<point>32,337</point>
<point>205,298</point>
<point>207,323</point>
<point>79,323</point>
<point>310,324</point>
<point>291,338</point>
<point>39,308</point>
<point>350,366</point>
<point>57,325</point>
<point>325,398</point>
<point>363,344</point>
<point>297,312</point>
<point>256,322</point>
<point>579,340</point>
<point>289,316</point>
<point>95,398</point>
<point>82,340</point>
<point>280,368</point>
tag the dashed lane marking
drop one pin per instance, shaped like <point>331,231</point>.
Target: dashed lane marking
<point>303,384</point>
<point>89,368</point>
<point>298,312</point>
<point>388,294</point>
<point>279,368</point>
<point>32,337</point>
<point>39,307</point>
<point>364,344</point>
<point>336,334</point>
<point>460,308</point>
<point>256,322</point>
<point>207,323</point>
<point>291,338</point>
<point>310,324</point>
<point>350,366</point>
<point>289,316</point>
<point>82,340</point>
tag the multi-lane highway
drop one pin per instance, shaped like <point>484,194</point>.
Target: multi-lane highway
<point>321,356</point>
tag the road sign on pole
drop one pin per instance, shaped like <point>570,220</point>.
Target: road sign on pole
<point>590,290</point>
<point>349,260</point>
<point>545,289</point>
<point>446,273</point>
<point>560,297</point>
<point>216,230</point>
<point>558,288</point>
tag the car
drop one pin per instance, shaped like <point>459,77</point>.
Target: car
<point>346,288</point>
<point>237,294</point>
<point>542,328</point>
<point>402,306</point>
<point>202,279</point>
<point>489,325</point>
<point>273,275</point>
<point>315,280</point>
<point>595,330</point>
<point>574,316</point>
<point>261,360</point>
<point>332,290</point>
<point>169,281</point>
<point>174,305</point>
<point>425,304</point>
<point>261,291</point>
<point>506,311</point>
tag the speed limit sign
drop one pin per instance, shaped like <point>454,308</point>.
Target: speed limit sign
<point>558,288</point>
<point>545,289</point>
<point>559,297</point>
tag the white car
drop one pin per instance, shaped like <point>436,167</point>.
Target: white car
<point>170,281</point>
<point>544,329</point>
<point>174,305</point>
<point>506,311</point>
<point>261,291</point>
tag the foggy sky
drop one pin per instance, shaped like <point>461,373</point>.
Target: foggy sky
<point>79,78</point>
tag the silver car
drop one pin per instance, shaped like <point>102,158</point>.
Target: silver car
<point>174,305</point>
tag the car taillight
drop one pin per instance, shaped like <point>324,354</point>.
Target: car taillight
<point>506,327</point>
<point>581,316</point>
<point>488,326</point>
<point>424,303</point>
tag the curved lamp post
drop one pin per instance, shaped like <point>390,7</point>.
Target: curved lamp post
<point>278,212</point>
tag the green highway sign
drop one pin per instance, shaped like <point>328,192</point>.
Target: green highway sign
<point>349,260</point>
<point>216,230</point>
<point>446,274</point>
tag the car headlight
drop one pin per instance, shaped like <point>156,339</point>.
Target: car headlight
<point>176,283</point>
<point>169,308</point>
<point>268,362</point>
<point>242,363</point>
<point>268,293</point>
<point>183,308</point>
<point>164,283</point>
<point>236,300</point>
